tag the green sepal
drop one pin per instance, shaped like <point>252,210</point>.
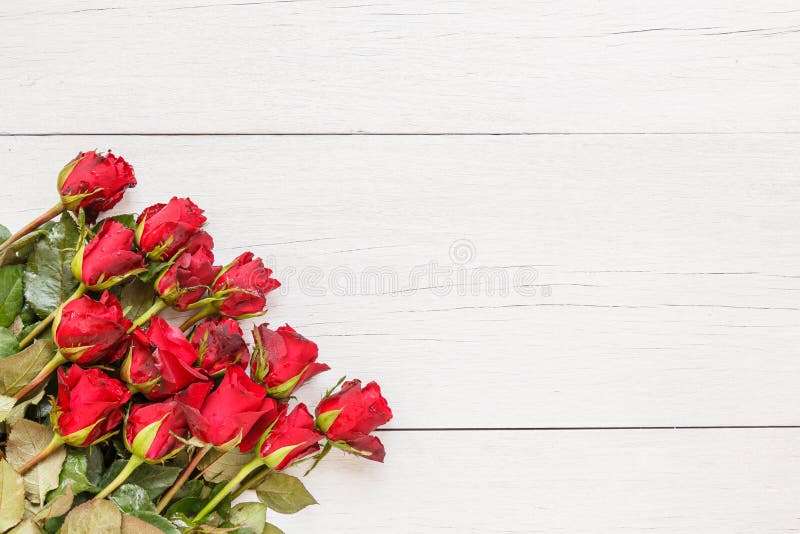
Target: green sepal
<point>325,420</point>
<point>285,389</point>
<point>144,439</point>
<point>274,459</point>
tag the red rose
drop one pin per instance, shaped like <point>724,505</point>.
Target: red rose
<point>107,259</point>
<point>284,359</point>
<point>94,182</point>
<point>349,416</point>
<point>238,412</point>
<point>88,407</point>
<point>164,229</point>
<point>292,437</point>
<point>220,345</point>
<point>90,332</point>
<point>186,281</point>
<point>242,286</point>
<point>159,363</point>
<point>169,418</point>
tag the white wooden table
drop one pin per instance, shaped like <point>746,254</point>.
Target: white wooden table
<point>611,189</point>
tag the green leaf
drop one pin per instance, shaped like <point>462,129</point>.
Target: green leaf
<point>136,298</point>
<point>155,479</point>
<point>186,507</point>
<point>220,467</point>
<point>92,517</point>
<point>26,527</point>
<point>284,493</point>
<point>94,464</point>
<point>26,440</point>
<point>48,276</point>
<point>269,528</point>
<point>16,371</point>
<point>155,522</point>
<point>250,515</point>
<point>73,475</point>
<point>5,233</point>
<point>12,496</point>
<point>111,473</point>
<point>8,343</point>
<point>11,300</point>
<point>132,499</point>
<point>192,488</point>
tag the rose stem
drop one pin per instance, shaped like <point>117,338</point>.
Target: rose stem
<point>33,225</point>
<point>57,361</point>
<point>155,309</point>
<point>183,478</point>
<point>52,447</point>
<point>33,334</point>
<point>252,482</point>
<point>246,470</point>
<point>123,475</point>
<point>204,312</point>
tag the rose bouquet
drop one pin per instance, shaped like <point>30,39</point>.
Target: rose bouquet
<point>114,419</point>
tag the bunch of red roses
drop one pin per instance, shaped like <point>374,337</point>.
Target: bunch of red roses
<point>170,396</point>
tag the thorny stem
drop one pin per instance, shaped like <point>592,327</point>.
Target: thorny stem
<point>183,478</point>
<point>33,225</point>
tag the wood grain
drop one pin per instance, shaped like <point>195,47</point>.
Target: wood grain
<point>712,481</point>
<point>399,66</point>
<point>660,283</point>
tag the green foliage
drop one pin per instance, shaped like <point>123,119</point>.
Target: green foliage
<point>11,299</point>
<point>8,343</point>
<point>284,493</point>
<point>48,279</point>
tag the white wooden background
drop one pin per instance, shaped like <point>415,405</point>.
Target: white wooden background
<point>637,162</point>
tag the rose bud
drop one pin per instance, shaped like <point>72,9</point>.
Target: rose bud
<point>94,182</point>
<point>164,229</point>
<point>238,412</point>
<point>220,344</point>
<point>284,360</point>
<point>291,438</point>
<point>241,287</point>
<point>349,416</point>
<point>90,332</point>
<point>107,259</point>
<point>186,280</point>
<point>154,431</point>
<point>89,406</point>
<point>159,363</point>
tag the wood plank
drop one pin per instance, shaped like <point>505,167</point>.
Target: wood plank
<point>715,481</point>
<point>399,66</point>
<point>633,280</point>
